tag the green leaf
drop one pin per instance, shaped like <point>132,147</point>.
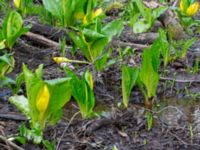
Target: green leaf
<point>78,40</point>
<point>158,11</point>
<point>82,93</point>
<point>67,11</point>
<point>48,145</point>
<point>60,91</point>
<point>33,84</point>
<point>55,117</point>
<point>18,83</point>
<point>12,28</point>
<point>6,64</point>
<point>141,26</point>
<point>155,50</point>
<point>92,35</point>
<point>2,44</point>
<point>165,46</point>
<point>97,47</point>
<point>149,120</point>
<point>21,103</point>
<point>148,75</point>
<point>129,77</point>
<point>101,62</point>
<point>187,44</point>
<point>113,28</point>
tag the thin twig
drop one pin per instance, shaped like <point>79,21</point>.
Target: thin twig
<point>181,81</point>
<point>10,143</point>
<point>59,141</point>
<point>132,45</point>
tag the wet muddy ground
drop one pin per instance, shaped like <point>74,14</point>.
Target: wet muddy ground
<point>176,113</point>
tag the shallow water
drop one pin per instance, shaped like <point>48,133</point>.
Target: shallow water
<point>183,113</point>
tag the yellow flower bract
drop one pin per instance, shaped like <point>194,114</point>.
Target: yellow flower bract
<point>17,3</point>
<point>190,10</point>
<point>182,6</point>
<point>42,100</point>
<point>91,81</point>
<point>59,60</point>
<point>97,13</point>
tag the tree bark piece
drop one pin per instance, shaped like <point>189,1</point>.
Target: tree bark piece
<point>142,38</point>
<point>13,117</point>
<point>117,43</point>
<point>41,39</point>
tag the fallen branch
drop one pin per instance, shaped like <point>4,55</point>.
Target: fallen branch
<point>178,80</point>
<point>126,44</point>
<point>41,39</point>
<point>141,38</point>
<point>13,117</point>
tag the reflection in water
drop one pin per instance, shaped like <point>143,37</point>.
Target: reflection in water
<point>175,111</point>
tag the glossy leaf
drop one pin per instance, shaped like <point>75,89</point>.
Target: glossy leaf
<point>165,46</point>
<point>148,76</point>
<point>13,28</point>
<point>129,77</point>
<point>82,93</point>
<point>113,28</point>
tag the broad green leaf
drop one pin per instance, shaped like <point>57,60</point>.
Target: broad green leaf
<point>148,75</point>
<point>145,11</point>
<point>53,6</point>
<point>91,35</point>
<point>60,91</point>
<point>165,46</point>
<point>12,28</point>
<point>82,93</point>
<point>155,50</point>
<point>129,77</point>
<point>55,117</point>
<point>113,28</point>
<point>97,47</point>
<point>79,41</point>
<point>33,84</point>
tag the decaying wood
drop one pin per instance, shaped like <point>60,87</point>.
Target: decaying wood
<point>41,39</point>
<point>142,38</point>
<point>13,117</point>
<point>173,27</point>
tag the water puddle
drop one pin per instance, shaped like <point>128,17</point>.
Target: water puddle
<point>179,113</point>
